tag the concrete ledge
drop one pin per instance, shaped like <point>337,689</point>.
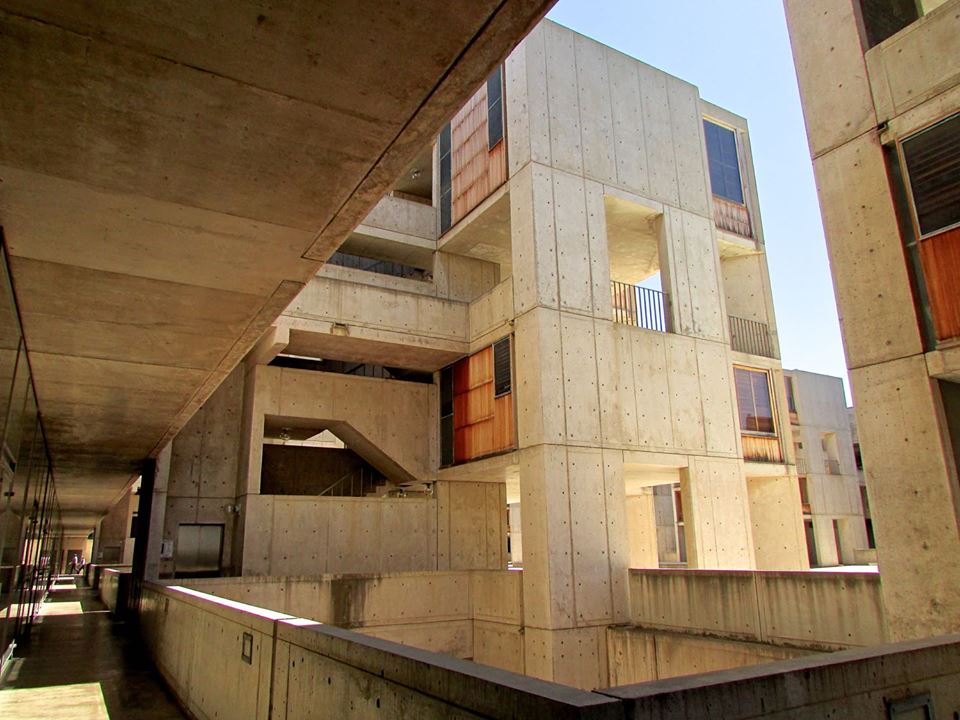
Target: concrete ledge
<point>815,611</point>
<point>850,683</point>
<point>477,688</point>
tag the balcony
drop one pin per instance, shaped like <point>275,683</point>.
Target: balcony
<point>731,217</point>
<point>831,466</point>
<point>802,467</point>
<point>638,306</point>
<point>751,337</point>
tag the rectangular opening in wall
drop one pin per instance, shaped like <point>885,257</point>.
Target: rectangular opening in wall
<point>637,288</point>
<point>501,367</point>
<point>880,19</point>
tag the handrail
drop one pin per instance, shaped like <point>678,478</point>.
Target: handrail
<point>352,477</point>
<point>638,306</point>
<point>750,336</point>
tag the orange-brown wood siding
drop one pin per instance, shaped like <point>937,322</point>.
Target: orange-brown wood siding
<point>476,171</point>
<point>482,424</point>
<point>940,257</point>
<point>757,448</point>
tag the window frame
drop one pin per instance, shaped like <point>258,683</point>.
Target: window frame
<point>740,159</point>
<point>908,183</point>
<point>770,395</point>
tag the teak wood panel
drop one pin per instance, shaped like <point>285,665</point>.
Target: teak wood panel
<point>482,423</point>
<point>758,448</point>
<point>476,170</point>
<point>940,257</point>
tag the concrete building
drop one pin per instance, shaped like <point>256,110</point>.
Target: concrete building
<point>880,86</point>
<point>830,489</point>
<point>550,345</point>
<point>565,296</point>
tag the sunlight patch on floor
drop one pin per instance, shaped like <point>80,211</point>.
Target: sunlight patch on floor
<point>61,608</point>
<point>83,701</point>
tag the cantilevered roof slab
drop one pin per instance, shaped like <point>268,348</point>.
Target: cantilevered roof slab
<point>172,172</point>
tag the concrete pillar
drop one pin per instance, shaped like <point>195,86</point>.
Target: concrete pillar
<point>158,509</point>
<point>575,552</point>
<point>777,524</point>
<point>471,525</point>
<point>913,493</point>
<point>642,530</point>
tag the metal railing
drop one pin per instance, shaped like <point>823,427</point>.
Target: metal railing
<point>831,466</point>
<point>801,466</point>
<point>750,336</point>
<point>356,483</point>
<point>639,306</point>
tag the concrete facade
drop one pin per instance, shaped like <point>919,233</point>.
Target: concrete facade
<point>606,185</point>
<point>868,89</point>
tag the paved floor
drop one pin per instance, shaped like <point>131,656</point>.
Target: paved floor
<point>80,664</point>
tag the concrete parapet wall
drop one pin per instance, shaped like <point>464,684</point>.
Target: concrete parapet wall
<point>397,215</point>
<point>635,655</point>
<point>470,614</point>
<point>817,611</point>
<point>115,589</point>
<point>294,666</point>
<point>311,535</point>
<point>853,683</point>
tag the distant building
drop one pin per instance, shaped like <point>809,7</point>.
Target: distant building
<point>833,515</point>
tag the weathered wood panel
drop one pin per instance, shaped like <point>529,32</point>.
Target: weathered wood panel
<point>940,257</point>
<point>477,170</point>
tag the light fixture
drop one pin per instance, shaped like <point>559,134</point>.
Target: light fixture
<point>340,329</point>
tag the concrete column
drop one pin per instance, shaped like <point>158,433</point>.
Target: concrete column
<point>575,551</point>
<point>913,492</point>
<point>642,530</point>
<point>158,509</point>
<point>471,525</point>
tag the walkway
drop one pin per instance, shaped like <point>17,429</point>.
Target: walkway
<point>80,664</point>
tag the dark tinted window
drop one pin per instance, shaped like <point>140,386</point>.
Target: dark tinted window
<point>446,416</point>
<point>723,161</point>
<point>501,367</point>
<point>494,108</point>
<point>446,182</point>
<point>933,166</point>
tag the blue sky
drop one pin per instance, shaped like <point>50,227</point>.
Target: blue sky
<point>738,54</point>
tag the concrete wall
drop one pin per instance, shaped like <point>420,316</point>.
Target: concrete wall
<point>309,535</point>
<point>640,656</point>
<point>203,472</point>
<point>391,424</point>
<point>113,543</point>
<point>853,683</point>
<point>297,667</point>
<point>817,611</point>
<point>471,525</point>
<point>475,615</point>
<point>294,667</point>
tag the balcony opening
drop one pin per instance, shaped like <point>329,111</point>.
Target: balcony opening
<point>416,182</point>
<point>745,290</point>
<point>635,247</point>
<point>309,457</point>
<point>879,19</point>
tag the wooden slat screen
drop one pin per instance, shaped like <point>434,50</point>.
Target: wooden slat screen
<point>940,258</point>
<point>482,424</point>
<point>477,170</point>
<point>761,449</point>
